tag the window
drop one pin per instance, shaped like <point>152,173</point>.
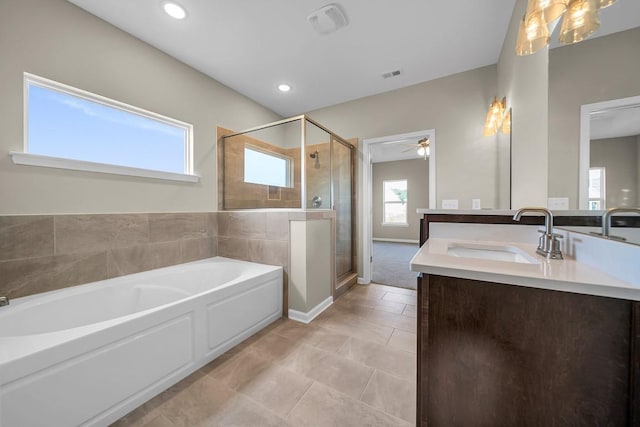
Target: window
<point>266,168</point>
<point>597,189</point>
<point>72,127</point>
<point>395,202</point>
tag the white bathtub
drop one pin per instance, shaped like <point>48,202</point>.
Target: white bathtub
<point>89,354</point>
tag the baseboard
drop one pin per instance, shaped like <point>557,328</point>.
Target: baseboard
<point>361,281</point>
<point>375,239</point>
<point>299,316</point>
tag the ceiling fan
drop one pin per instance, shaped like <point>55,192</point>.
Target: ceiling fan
<point>421,147</point>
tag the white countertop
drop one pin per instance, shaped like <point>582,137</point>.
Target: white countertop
<point>576,273</point>
<point>504,212</point>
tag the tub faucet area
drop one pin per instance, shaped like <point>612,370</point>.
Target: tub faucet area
<point>548,245</point>
<point>4,301</point>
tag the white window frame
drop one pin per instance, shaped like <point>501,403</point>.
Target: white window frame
<point>284,157</point>
<point>31,159</point>
<point>384,205</point>
<point>603,189</point>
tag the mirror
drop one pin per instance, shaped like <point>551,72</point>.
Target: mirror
<point>610,154</point>
<point>594,88</point>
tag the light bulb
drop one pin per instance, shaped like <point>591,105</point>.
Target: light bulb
<point>174,10</point>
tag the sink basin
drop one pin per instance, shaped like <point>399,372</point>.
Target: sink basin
<point>490,252</point>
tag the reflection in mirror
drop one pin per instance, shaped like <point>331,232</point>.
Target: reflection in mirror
<point>610,154</point>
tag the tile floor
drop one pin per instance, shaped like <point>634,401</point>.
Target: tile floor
<point>354,365</point>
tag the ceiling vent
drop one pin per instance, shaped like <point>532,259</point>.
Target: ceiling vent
<point>394,73</point>
<point>328,19</point>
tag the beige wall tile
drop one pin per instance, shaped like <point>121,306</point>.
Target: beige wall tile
<point>277,226</point>
<point>165,227</point>
<point>35,275</point>
<point>272,252</point>
<point>81,233</point>
<point>213,224</point>
<point>232,247</point>
<point>142,258</point>
<point>25,236</point>
<point>250,225</point>
<point>196,249</point>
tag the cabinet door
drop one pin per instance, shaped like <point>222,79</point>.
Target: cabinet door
<point>496,354</point>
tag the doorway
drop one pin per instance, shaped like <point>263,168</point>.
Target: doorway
<point>389,208</point>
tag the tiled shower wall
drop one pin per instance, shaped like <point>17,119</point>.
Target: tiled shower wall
<point>48,252</point>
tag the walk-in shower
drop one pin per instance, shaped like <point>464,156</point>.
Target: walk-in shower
<point>294,163</point>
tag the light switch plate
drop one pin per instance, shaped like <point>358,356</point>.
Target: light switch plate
<point>558,203</point>
<point>450,204</point>
<point>475,204</point>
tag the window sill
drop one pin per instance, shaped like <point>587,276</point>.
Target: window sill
<point>394,224</point>
<point>28,159</point>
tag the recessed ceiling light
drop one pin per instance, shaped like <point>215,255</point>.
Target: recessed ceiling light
<point>174,10</point>
<point>284,87</point>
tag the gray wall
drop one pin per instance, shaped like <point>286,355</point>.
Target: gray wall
<point>416,172</point>
<point>620,158</point>
<point>595,70</point>
<point>57,40</point>
<point>455,106</point>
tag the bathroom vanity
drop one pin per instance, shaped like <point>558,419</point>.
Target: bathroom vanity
<point>508,337</point>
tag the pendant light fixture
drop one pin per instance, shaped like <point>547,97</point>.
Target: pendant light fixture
<point>580,21</point>
<point>601,4</point>
<point>550,9</point>
<point>533,34</point>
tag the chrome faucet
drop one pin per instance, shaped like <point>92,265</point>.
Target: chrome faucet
<point>4,301</point>
<point>606,218</point>
<point>548,245</point>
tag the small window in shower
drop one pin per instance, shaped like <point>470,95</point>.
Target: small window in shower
<point>262,167</point>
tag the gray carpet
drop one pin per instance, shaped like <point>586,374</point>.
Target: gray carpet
<point>391,264</point>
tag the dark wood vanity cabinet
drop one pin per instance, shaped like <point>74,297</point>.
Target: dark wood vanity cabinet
<point>492,354</point>
<point>503,355</point>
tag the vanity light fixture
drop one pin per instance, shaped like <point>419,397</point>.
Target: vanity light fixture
<point>495,117</point>
<point>579,20</point>
<point>174,10</point>
<point>283,87</point>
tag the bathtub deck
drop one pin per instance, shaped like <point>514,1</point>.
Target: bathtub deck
<point>354,365</point>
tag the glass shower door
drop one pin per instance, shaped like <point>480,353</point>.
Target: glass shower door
<point>343,184</point>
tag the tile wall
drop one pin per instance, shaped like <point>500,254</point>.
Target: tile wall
<point>259,236</point>
<point>43,253</point>
<point>48,252</point>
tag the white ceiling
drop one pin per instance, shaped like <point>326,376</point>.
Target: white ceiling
<point>395,150</point>
<point>615,123</point>
<point>253,45</point>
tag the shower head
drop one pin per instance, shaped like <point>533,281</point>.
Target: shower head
<point>316,155</point>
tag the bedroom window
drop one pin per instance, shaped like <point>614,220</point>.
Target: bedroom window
<point>70,128</point>
<point>395,202</point>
